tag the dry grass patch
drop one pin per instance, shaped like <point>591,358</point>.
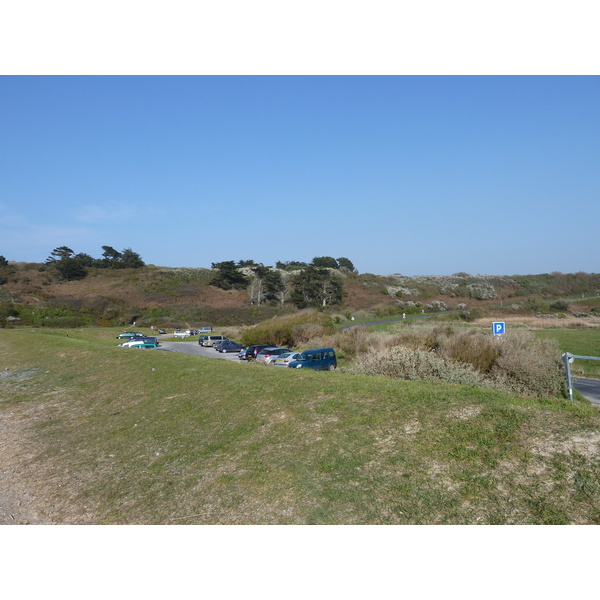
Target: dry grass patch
<point>533,322</point>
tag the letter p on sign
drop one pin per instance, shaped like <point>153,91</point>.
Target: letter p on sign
<point>499,328</point>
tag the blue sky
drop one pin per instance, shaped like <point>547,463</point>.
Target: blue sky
<point>402,174</point>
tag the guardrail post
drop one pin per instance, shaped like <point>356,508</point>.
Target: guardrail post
<point>567,358</point>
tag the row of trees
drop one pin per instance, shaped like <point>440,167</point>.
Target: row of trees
<point>311,285</point>
<point>71,266</point>
<point>327,262</point>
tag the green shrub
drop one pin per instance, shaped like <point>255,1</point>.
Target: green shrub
<point>470,315</point>
<point>561,305</point>
<point>535,304</point>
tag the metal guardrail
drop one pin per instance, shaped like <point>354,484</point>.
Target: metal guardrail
<point>568,359</point>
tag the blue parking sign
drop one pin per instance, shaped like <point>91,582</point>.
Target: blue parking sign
<point>499,328</point>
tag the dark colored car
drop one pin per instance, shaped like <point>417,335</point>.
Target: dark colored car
<point>252,351</point>
<point>320,359</point>
<point>229,346</point>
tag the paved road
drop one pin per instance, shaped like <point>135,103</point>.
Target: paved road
<point>195,348</point>
<point>589,388</point>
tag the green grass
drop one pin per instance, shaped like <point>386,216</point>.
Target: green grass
<point>111,435</point>
<point>392,324</point>
<point>583,342</point>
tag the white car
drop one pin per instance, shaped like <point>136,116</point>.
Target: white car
<point>131,343</point>
<point>180,333</point>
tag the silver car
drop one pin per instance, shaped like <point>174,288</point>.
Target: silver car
<point>283,360</point>
<point>211,340</point>
<point>268,355</point>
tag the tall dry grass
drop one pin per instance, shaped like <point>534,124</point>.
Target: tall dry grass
<point>533,322</point>
<point>518,362</point>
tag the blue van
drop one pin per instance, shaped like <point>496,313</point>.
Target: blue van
<point>321,359</point>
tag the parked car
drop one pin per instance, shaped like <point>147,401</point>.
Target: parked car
<point>162,331</point>
<point>139,340</point>
<point>201,339</point>
<point>229,346</point>
<point>320,359</point>
<point>268,355</point>
<point>283,360</point>
<point>180,333</point>
<point>129,334</point>
<point>217,345</point>
<point>213,339</point>
<point>252,351</point>
<point>205,330</point>
<point>145,345</point>
<point>192,331</point>
<point>133,340</point>
<point>141,343</point>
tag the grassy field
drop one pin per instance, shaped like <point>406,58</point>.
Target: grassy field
<point>583,342</point>
<point>106,435</point>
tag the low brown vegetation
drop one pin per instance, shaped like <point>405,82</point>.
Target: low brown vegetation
<point>518,363</point>
<point>291,330</point>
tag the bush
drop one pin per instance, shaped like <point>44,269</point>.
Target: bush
<point>437,305</point>
<point>470,315</point>
<point>482,291</point>
<point>289,330</point>
<point>518,363</point>
<point>473,348</point>
<point>400,362</point>
<point>353,342</point>
<point>562,305</point>
<point>529,366</point>
<point>535,304</point>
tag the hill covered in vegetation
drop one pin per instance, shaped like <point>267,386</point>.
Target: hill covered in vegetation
<point>112,293</point>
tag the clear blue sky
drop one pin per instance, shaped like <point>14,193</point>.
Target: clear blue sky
<point>414,175</point>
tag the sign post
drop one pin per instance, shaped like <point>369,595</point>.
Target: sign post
<point>499,328</point>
